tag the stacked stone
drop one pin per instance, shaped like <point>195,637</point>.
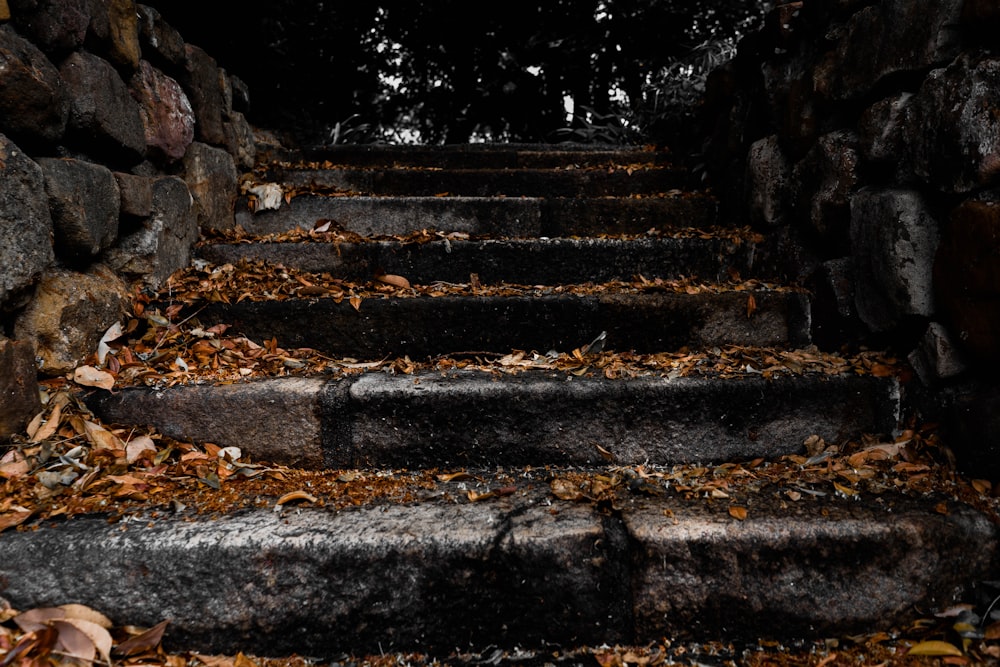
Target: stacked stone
<point>118,141</point>
<point>871,130</point>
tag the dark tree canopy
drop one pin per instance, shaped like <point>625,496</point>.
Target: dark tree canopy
<point>448,69</point>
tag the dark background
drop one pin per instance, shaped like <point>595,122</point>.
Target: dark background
<point>497,71</point>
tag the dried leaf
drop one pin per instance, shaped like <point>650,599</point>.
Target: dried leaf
<point>85,613</point>
<point>147,641</point>
<point>296,495</point>
<point>35,619</point>
<point>394,280</point>
<point>607,455</point>
<point>454,477</point>
<point>100,437</point>
<point>355,301</point>
<point>136,447</point>
<point>13,519</point>
<point>48,429</point>
<point>74,642</point>
<point>88,376</point>
<point>14,464</point>
<point>98,636</point>
<point>565,489</point>
<point>751,305</point>
<point>934,648</point>
<point>738,513</point>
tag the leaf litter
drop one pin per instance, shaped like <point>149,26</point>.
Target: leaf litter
<point>68,463</point>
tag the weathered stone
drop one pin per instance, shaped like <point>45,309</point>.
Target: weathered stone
<point>954,130</point>
<point>56,26</point>
<point>201,82</point>
<point>25,224</point>
<point>114,32</point>
<point>822,184</point>
<point>161,44</point>
<point>19,398</point>
<point>161,244</point>
<point>241,94</point>
<point>84,203</point>
<point>894,238</point>
<point>239,140</point>
<point>69,314</point>
<point>213,180</point>
<point>136,195</point>
<point>967,278</point>
<point>882,129</point>
<point>767,179</point>
<point>698,572</point>
<point>166,113</point>
<point>34,106</point>
<point>894,37</point>
<point>937,357</point>
<point>103,115</point>
<point>285,428</point>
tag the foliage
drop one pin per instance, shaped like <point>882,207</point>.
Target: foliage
<point>447,71</point>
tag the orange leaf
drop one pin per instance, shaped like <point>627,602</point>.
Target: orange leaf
<point>738,513</point>
<point>394,280</point>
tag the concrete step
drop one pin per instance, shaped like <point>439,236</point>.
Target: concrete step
<point>522,568</point>
<point>430,182</point>
<point>489,216</point>
<point>541,319</point>
<point>522,261</point>
<point>475,156</point>
<point>437,418</point>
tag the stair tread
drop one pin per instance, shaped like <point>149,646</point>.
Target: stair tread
<point>502,216</point>
<point>524,565</point>
<point>454,257</point>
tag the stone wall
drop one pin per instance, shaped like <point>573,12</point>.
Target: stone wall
<point>118,141</point>
<point>867,133</point>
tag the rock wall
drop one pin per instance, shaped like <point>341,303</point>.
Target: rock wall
<point>118,141</point>
<point>867,132</point>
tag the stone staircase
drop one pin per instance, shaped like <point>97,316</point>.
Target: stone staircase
<point>566,338</point>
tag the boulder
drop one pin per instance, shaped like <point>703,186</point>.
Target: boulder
<point>84,203</point>
<point>25,224</point>
<point>967,278</point>
<point>19,397</point>
<point>136,195</point>
<point>937,357</point>
<point>34,106</point>
<point>821,187</point>
<point>114,32</point>
<point>768,173</point>
<point>56,26</point>
<point>954,130</point>
<point>69,314</point>
<point>103,116</point>
<point>241,94</point>
<point>894,37</point>
<point>166,113</point>
<point>214,182</point>
<point>239,140</point>
<point>161,44</point>
<point>201,82</point>
<point>159,245</point>
<point>894,239</point>
<point>882,130</point>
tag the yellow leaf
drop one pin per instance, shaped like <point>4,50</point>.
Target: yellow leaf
<point>934,647</point>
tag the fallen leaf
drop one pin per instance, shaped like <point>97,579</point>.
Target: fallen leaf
<point>99,637</point>
<point>563,489</point>
<point>394,280</point>
<point>738,513</point>
<point>751,305</point>
<point>141,643</point>
<point>74,642</point>
<point>85,613</point>
<point>48,429</point>
<point>88,376</point>
<point>454,477</point>
<point>13,519</point>
<point>13,465</point>
<point>934,647</point>
<point>137,446</point>
<point>296,495</point>
<point>607,455</point>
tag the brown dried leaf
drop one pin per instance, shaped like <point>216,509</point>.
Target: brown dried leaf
<point>394,280</point>
<point>564,489</point>
<point>296,495</point>
<point>14,464</point>
<point>147,641</point>
<point>98,636</point>
<point>738,513</point>
<point>13,519</point>
<point>85,613</point>
<point>88,376</point>
<point>48,429</point>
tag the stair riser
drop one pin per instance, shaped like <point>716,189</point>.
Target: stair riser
<point>478,420</point>
<point>520,571</point>
<point>427,326</point>
<point>502,217</point>
<point>476,156</point>
<point>527,262</point>
<point>481,183</point>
